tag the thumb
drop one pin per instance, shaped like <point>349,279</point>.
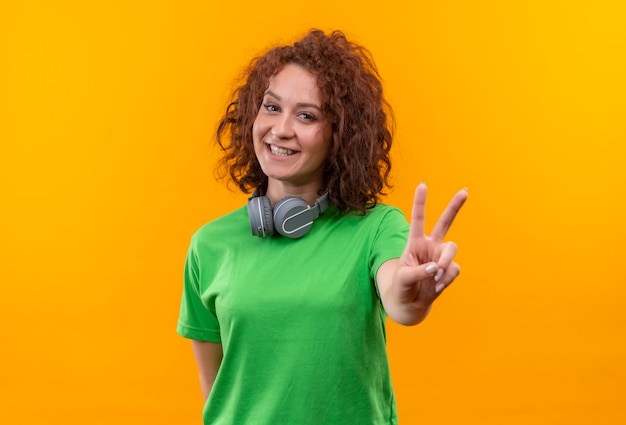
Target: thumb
<point>412,274</point>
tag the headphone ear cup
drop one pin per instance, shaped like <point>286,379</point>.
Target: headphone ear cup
<point>260,215</point>
<point>287,218</point>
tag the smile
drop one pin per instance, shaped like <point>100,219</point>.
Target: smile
<point>280,151</point>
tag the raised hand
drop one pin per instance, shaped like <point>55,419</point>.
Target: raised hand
<point>426,266</point>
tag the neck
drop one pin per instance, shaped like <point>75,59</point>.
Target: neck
<point>278,190</point>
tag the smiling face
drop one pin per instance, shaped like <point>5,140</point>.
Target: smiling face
<point>291,133</point>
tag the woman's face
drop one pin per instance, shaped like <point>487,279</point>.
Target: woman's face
<point>291,134</point>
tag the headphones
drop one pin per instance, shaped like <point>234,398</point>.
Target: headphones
<point>292,217</point>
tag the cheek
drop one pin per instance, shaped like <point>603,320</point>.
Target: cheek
<point>319,144</point>
<point>255,127</point>
<point>260,128</point>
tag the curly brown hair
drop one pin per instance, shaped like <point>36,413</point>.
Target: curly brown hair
<point>358,164</point>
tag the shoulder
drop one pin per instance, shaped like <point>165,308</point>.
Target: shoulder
<point>377,214</point>
<point>224,227</point>
<point>388,219</point>
<point>381,218</point>
<point>383,210</point>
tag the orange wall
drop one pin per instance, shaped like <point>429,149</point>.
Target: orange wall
<point>107,111</point>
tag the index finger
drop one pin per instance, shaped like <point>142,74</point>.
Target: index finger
<point>418,213</point>
<point>448,215</point>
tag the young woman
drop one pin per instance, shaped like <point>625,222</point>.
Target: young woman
<point>285,299</point>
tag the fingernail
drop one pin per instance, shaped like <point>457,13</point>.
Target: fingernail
<point>431,268</point>
<point>438,275</point>
<point>439,287</point>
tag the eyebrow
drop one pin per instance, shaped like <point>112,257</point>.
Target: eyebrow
<point>299,104</point>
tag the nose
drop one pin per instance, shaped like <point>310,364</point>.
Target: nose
<point>283,127</point>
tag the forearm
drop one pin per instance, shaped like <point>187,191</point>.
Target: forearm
<point>206,384</point>
<point>403,313</point>
<point>398,299</point>
<point>208,358</point>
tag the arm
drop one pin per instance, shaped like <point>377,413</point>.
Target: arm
<point>410,284</point>
<point>402,313</point>
<point>208,358</point>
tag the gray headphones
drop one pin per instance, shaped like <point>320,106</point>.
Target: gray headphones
<point>292,217</point>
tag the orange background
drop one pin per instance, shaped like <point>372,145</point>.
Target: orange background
<point>107,110</point>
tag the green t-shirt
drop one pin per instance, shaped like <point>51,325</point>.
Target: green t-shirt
<point>300,321</point>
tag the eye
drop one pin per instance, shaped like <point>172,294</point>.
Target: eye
<point>307,116</point>
<point>270,107</point>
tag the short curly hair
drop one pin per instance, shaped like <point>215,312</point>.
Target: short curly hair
<point>358,165</point>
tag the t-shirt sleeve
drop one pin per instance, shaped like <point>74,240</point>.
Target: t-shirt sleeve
<point>196,320</point>
<point>390,240</point>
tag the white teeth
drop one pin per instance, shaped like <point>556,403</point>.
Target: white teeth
<point>280,151</point>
